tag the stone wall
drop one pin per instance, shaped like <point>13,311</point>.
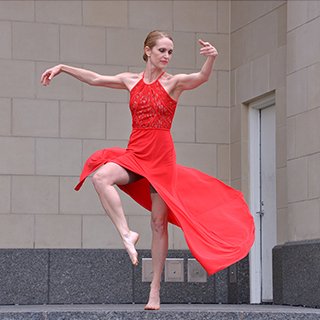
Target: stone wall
<point>46,133</point>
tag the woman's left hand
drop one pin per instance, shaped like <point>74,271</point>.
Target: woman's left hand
<point>208,50</point>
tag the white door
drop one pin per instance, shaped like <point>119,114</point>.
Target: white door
<point>262,197</point>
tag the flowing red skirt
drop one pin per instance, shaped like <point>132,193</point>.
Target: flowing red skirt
<point>215,219</point>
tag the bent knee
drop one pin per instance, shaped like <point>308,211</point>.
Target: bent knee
<point>100,178</point>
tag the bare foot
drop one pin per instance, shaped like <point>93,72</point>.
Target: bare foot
<point>129,242</point>
<point>154,300</point>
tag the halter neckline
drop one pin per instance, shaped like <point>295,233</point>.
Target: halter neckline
<point>154,80</point>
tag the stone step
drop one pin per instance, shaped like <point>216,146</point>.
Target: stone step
<point>167,312</point>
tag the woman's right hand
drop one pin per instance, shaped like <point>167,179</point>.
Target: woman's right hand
<point>49,74</point>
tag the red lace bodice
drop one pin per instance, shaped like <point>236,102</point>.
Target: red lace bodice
<point>151,106</point>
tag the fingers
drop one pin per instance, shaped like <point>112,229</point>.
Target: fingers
<point>201,42</point>
<point>208,49</point>
<point>47,76</point>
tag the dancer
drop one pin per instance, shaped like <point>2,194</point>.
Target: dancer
<point>216,222</point>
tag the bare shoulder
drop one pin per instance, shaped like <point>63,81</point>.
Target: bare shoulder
<point>171,84</point>
<point>130,79</point>
<point>169,80</point>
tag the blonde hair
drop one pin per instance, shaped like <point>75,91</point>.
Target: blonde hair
<point>151,40</point>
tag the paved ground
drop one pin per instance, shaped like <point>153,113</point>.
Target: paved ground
<point>164,307</point>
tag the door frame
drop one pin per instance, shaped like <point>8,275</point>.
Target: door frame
<point>255,193</point>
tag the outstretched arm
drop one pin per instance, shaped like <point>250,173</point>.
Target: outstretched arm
<point>193,80</point>
<point>89,77</point>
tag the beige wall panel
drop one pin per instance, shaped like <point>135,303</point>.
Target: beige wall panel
<point>244,161</point>
<point>313,9</point>
<point>307,133</point>
<point>99,233</point>
<point>232,88</point>
<point>60,12</point>
<point>243,87</point>
<point>150,15</point>
<point>37,118</point>
<point>82,119</point>
<point>235,124</point>
<point>297,171</point>
<point>18,157</point>
<point>17,79</point>
<point>303,46</point>
<point>245,123</point>
<point>245,189</point>
<point>125,47</point>
<point>245,12</point>
<point>58,156</point>
<point>260,76</point>
<point>277,68</point>
<point>223,162</point>
<point>92,93</point>
<point>281,187</point>
<point>176,238</point>
<point>260,37</point>
<point>212,125</point>
<point>313,86</point>
<point>16,231</point>
<point>141,224</point>
<point>236,184</point>
<point>35,41</point>
<point>291,138</point>
<point>105,13</point>
<point>91,146</point>
<point>184,55</point>
<point>63,87</point>
<point>222,43</point>
<point>297,92</point>
<point>204,95</point>
<point>17,10</point>
<point>235,155</point>
<point>195,16</point>
<point>5,191</point>
<point>223,8</point>
<point>85,201</point>
<point>223,89</point>
<point>282,226</point>
<point>314,176</point>
<point>297,14</point>
<point>281,147</point>
<point>57,231</point>
<point>281,106</point>
<point>183,127</point>
<point>83,44</point>
<point>118,121</point>
<point>304,220</point>
<point>5,117</point>
<point>32,194</point>
<point>282,25</point>
<point>5,40</point>
<point>198,156</point>
<point>237,49</point>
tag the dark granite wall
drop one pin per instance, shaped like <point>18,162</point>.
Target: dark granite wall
<point>296,273</point>
<point>97,276</point>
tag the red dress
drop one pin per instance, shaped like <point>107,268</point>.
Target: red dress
<point>215,219</point>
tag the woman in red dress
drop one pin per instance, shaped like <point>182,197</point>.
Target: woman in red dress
<point>216,222</point>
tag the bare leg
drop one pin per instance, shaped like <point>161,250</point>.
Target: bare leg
<point>159,248</point>
<point>103,181</point>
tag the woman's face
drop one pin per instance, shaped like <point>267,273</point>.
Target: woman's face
<point>161,53</point>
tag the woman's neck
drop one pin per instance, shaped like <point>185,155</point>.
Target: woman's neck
<point>152,74</point>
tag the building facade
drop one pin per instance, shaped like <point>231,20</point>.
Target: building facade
<point>254,125</point>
